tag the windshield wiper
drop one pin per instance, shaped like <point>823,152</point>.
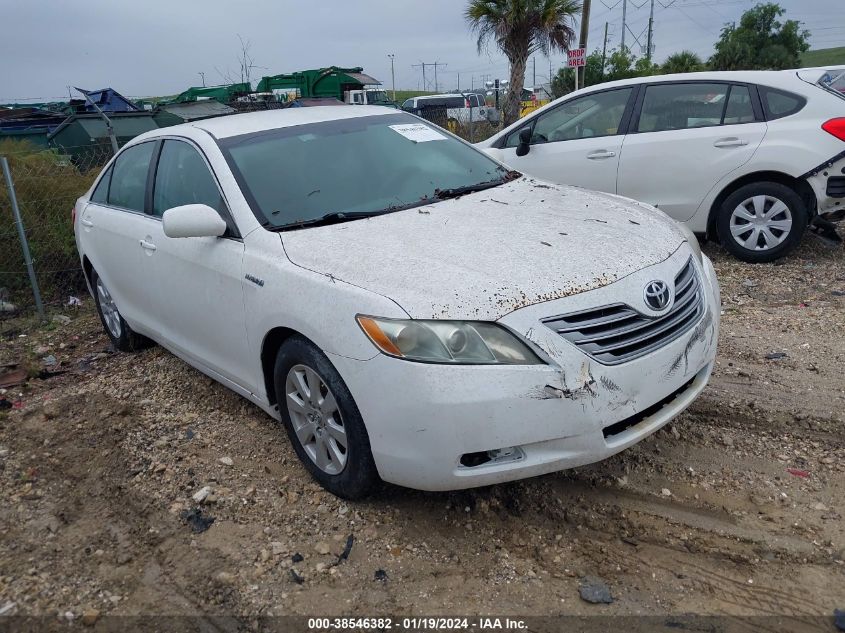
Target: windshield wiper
<point>455,192</point>
<point>335,217</point>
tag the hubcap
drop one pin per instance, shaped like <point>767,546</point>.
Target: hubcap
<point>316,419</point>
<point>110,314</point>
<point>761,223</point>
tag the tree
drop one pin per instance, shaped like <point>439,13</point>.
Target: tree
<point>682,62</point>
<point>245,65</point>
<point>521,28</point>
<point>761,41</point>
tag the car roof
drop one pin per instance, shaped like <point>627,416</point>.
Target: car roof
<point>768,77</point>
<point>250,122</point>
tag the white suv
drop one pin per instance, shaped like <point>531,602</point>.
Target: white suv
<point>749,158</point>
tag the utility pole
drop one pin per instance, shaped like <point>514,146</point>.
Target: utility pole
<point>459,81</point>
<point>624,19</point>
<point>202,74</point>
<point>392,75</point>
<point>604,51</point>
<point>650,32</point>
<point>582,42</point>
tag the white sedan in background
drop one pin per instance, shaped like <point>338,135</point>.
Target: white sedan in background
<point>748,158</point>
<point>408,307</point>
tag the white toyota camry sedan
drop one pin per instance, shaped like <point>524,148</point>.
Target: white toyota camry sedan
<point>409,308</point>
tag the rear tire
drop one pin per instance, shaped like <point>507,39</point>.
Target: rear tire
<point>122,337</point>
<point>762,221</point>
<point>323,421</point>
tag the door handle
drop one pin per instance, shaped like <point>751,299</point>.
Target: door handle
<point>87,223</point>
<point>148,246</point>
<point>599,154</point>
<point>730,142</point>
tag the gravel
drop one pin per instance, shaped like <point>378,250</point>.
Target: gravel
<point>107,470</point>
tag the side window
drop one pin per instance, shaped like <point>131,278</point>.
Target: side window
<point>129,177</point>
<point>182,177</point>
<point>739,109</point>
<point>779,104</point>
<point>589,116</point>
<point>101,193</point>
<point>682,106</point>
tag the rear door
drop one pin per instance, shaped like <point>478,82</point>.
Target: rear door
<point>685,137</point>
<point>195,284</point>
<point>110,228</point>
<point>579,142</point>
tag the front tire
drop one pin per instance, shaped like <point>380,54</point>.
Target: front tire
<point>323,421</point>
<point>121,335</point>
<point>762,222</point>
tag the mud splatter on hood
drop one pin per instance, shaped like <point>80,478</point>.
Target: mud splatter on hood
<point>486,254</point>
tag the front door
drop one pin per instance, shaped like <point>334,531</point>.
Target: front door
<point>195,284</point>
<point>578,142</point>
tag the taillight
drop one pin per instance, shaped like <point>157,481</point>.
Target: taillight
<point>466,103</point>
<point>835,127</point>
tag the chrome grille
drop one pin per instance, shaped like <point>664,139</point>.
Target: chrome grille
<point>618,333</point>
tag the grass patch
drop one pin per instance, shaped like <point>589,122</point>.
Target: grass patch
<point>823,57</point>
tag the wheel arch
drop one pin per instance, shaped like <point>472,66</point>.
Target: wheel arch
<point>273,341</point>
<point>801,187</point>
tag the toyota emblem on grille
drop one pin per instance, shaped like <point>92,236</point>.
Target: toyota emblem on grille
<point>657,295</point>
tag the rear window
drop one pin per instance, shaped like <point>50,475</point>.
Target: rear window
<point>834,81</point>
<point>778,103</point>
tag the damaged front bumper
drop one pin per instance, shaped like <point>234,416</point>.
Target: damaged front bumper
<point>438,427</point>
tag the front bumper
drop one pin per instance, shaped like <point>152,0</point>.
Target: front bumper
<point>423,420</point>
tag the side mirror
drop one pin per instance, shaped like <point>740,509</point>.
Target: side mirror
<point>524,141</point>
<point>193,220</point>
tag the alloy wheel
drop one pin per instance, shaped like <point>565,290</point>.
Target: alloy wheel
<point>109,310</point>
<point>316,419</point>
<point>761,223</point>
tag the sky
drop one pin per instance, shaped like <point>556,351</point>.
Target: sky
<point>160,47</point>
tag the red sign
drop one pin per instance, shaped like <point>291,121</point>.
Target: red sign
<point>577,57</point>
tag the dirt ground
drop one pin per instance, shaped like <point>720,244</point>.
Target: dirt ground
<point>734,509</point>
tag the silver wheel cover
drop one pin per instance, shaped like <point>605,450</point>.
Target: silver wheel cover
<point>761,223</point>
<point>110,314</point>
<point>316,419</point>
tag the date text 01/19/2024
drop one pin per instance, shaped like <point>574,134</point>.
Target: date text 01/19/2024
<point>416,624</point>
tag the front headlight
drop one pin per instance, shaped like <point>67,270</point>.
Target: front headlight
<point>692,240</point>
<point>455,342</point>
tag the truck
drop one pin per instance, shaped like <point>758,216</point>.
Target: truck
<point>349,85</point>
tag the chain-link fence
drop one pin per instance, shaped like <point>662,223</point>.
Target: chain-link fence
<point>39,263</point>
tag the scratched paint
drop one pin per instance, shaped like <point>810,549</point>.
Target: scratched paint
<point>481,256</point>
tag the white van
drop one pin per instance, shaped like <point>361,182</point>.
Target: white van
<point>459,107</point>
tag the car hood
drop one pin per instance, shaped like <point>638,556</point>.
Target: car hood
<point>486,254</point>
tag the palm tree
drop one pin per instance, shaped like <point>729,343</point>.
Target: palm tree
<point>683,62</point>
<point>521,28</point>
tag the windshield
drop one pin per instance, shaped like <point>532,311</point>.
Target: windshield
<point>365,165</point>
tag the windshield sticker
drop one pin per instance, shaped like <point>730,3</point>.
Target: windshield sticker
<point>418,132</point>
